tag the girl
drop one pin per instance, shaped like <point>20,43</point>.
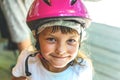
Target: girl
<point>58,27</point>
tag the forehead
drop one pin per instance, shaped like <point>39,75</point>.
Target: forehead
<point>58,34</point>
<point>62,29</point>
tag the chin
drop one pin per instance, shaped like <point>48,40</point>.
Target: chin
<point>59,65</point>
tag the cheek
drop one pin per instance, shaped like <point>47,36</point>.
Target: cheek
<point>73,50</point>
<point>46,49</point>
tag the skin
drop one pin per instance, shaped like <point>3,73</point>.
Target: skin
<point>19,78</point>
<point>58,49</point>
<point>24,44</point>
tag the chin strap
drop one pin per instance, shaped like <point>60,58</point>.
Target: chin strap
<point>80,38</point>
<point>26,64</point>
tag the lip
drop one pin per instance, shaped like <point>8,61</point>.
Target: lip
<point>59,57</point>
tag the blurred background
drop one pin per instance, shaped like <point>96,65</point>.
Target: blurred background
<point>102,45</point>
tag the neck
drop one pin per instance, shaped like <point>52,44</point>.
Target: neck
<point>51,68</point>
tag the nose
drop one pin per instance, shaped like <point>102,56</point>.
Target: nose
<point>61,48</point>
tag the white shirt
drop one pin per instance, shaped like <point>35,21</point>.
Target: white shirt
<point>38,71</point>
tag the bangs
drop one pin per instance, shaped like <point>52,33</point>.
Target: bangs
<point>63,29</point>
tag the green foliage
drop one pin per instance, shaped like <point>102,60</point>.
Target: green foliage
<point>7,60</point>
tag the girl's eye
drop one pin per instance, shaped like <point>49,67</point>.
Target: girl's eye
<point>52,40</point>
<point>71,41</point>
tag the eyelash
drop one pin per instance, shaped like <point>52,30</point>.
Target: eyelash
<point>51,40</point>
<point>71,41</point>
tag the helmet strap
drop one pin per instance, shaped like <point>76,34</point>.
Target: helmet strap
<point>80,39</point>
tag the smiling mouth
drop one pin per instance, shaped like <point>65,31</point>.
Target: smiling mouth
<point>59,57</point>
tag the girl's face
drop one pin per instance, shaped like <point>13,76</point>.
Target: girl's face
<point>58,48</point>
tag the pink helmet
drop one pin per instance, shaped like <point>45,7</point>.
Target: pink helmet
<point>44,9</point>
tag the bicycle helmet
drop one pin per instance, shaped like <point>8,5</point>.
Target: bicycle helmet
<point>45,11</point>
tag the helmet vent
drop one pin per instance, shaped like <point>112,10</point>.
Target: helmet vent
<point>47,2</point>
<point>73,2</point>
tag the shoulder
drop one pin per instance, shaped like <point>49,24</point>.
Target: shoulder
<point>85,69</point>
<point>83,64</point>
<point>87,63</point>
<point>82,71</point>
<point>18,69</point>
<point>23,55</point>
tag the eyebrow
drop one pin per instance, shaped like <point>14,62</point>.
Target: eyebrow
<point>71,36</point>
